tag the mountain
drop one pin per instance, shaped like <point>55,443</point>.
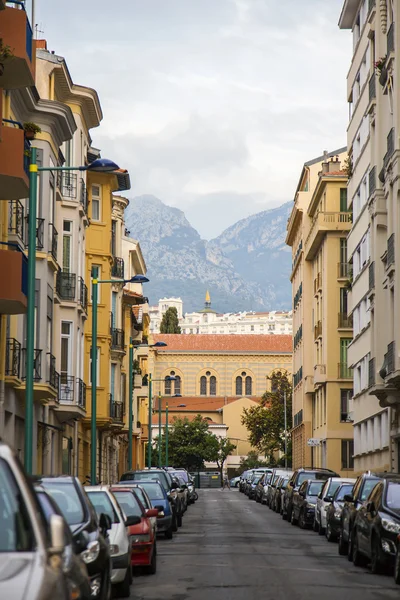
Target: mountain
<point>245,268</point>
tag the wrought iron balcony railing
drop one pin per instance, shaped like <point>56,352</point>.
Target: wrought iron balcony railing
<point>66,285</point>
<point>371,372</point>
<point>53,241</point>
<point>117,339</point>
<point>116,410</point>
<point>16,221</point>
<point>345,321</point>
<point>13,358</point>
<point>371,275</point>
<point>67,391</point>
<point>84,197</point>
<point>83,293</point>
<point>67,184</point>
<point>390,358</point>
<point>390,251</point>
<point>117,269</point>
<point>81,393</point>
<point>39,233</point>
<point>37,364</point>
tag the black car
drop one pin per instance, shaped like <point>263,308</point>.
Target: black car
<point>363,486</point>
<point>253,486</point>
<point>168,484</point>
<point>334,512</point>
<point>74,567</point>
<point>279,491</point>
<point>295,482</point>
<point>304,502</point>
<point>89,533</point>
<point>377,525</point>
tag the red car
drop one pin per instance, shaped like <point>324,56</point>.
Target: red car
<point>142,536</point>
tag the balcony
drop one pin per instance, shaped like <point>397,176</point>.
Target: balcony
<point>298,418</point>
<point>16,32</point>
<point>319,374</point>
<point>16,222</point>
<point>67,184</point>
<point>317,330</point>
<point>81,393</point>
<point>67,389</point>
<point>39,233</point>
<point>343,270</point>
<point>322,223</point>
<point>371,372</point>
<point>390,257</point>
<point>14,180</point>
<point>117,269</point>
<point>345,321</point>
<point>53,377</point>
<point>84,197</point>
<point>14,283</point>
<point>116,410</point>
<point>317,283</point>
<point>309,384</point>
<point>37,364</point>
<point>83,294</point>
<point>66,286</point>
<point>372,181</point>
<point>344,372</point>
<point>118,339</point>
<point>53,241</point>
<point>390,358</point>
<point>13,358</point>
<point>72,403</point>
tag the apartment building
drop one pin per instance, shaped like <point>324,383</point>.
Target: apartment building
<point>372,252</point>
<point>316,232</point>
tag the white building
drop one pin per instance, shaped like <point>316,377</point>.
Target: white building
<point>156,312</point>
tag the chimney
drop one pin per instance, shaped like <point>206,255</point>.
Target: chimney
<point>41,44</point>
<point>325,167</point>
<point>334,164</point>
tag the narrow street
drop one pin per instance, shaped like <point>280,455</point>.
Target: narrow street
<point>231,548</point>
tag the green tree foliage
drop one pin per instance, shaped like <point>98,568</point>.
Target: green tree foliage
<point>190,443</point>
<point>223,447</point>
<point>251,462</point>
<point>265,422</point>
<point>170,322</point>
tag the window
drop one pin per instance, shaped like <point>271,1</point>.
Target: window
<point>112,381</point>
<point>203,385</point>
<point>177,384</point>
<point>346,400</point>
<point>66,353</point>
<point>347,454</point>
<point>168,386</point>
<point>213,385</point>
<point>113,237</point>
<point>67,246</point>
<point>343,199</point>
<point>98,367</point>
<point>96,202</point>
<point>248,385</point>
<point>239,385</point>
<point>343,301</point>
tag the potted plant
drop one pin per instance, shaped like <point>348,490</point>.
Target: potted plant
<point>381,70</point>
<point>5,53</point>
<point>31,129</point>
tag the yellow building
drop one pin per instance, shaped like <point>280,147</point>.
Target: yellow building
<point>317,231</point>
<point>218,376</point>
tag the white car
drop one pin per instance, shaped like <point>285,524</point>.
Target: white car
<point>105,502</point>
<point>324,500</point>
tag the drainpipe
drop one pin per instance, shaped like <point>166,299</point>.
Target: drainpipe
<point>76,450</point>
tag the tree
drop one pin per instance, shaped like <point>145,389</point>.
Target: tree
<point>170,322</point>
<point>251,462</point>
<point>222,448</point>
<point>266,422</point>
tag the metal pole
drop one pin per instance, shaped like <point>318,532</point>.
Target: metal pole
<point>159,429</point>
<point>93,434</point>
<point>166,434</point>
<point>150,419</point>
<point>284,403</point>
<point>30,320</point>
<point>130,400</point>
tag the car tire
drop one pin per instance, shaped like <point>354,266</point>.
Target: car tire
<point>152,568</point>
<point>179,520</point>
<point>123,589</point>
<point>377,567</point>
<point>356,556</point>
<point>329,534</point>
<point>169,533</point>
<point>396,572</point>
<point>343,547</point>
<point>293,520</point>
<point>174,524</point>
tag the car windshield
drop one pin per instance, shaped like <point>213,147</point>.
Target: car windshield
<point>139,475</point>
<point>16,534</point>
<point>315,488</point>
<point>393,495</point>
<point>181,474</point>
<point>285,481</point>
<point>142,497</point>
<point>307,475</point>
<point>154,490</point>
<point>369,485</point>
<point>103,504</point>
<point>342,491</point>
<point>332,488</point>
<point>66,496</point>
<point>129,504</point>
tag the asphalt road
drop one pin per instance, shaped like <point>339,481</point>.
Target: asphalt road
<point>231,548</point>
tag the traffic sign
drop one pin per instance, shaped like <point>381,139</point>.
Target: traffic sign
<point>313,442</point>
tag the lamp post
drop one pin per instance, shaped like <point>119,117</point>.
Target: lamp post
<point>149,437</point>
<point>93,428</point>
<point>101,165</point>
<point>167,431</point>
<point>169,378</point>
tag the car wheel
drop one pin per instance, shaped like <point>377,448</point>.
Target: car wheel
<point>123,589</point>
<point>356,556</point>
<point>377,567</point>
<point>174,523</point>
<point>302,521</point>
<point>397,568</point>
<point>342,545</point>
<point>293,520</point>
<point>169,533</point>
<point>328,533</point>
<point>179,520</point>
<point>152,568</point>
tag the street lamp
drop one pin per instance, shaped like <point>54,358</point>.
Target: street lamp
<point>100,165</point>
<point>156,345</point>
<point>93,429</point>
<point>169,378</point>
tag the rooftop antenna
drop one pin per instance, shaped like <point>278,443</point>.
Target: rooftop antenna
<point>38,30</point>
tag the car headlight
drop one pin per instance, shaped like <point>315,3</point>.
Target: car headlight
<point>91,553</point>
<point>143,537</point>
<point>337,513</point>
<point>114,549</point>
<point>390,525</point>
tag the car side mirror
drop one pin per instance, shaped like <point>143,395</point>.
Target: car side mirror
<point>328,499</point>
<point>174,485</point>
<point>130,521</point>
<point>57,534</point>
<point>348,498</point>
<point>371,508</point>
<point>105,522</point>
<point>291,483</point>
<point>152,512</point>
<point>82,541</point>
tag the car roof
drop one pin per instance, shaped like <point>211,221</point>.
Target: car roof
<point>97,488</point>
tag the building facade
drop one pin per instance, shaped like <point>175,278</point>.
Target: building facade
<point>373,251</point>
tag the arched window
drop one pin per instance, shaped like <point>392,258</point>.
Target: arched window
<point>177,384</point>
<point>167,385</point>
<point>248,385</point>
<point>239,385</point>
<point>203,385</point>
<point>213,385</point>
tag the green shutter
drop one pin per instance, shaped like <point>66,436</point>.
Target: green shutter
<point>343,199</point>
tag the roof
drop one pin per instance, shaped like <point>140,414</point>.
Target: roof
<point>239,343</point>
<point>154,420</point>
<point>138,313</point>
<point>199,403</point>
<point>335,174</point>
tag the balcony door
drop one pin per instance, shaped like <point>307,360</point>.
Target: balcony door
<point>67,247</point>
<point>67,380</point>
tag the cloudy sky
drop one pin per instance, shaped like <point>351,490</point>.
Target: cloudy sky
<point>212,105</point>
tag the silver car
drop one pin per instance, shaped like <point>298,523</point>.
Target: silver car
<point>30,564</point>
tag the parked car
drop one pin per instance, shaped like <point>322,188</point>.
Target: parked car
<point>363,486</point>
<point>74,567</point>
<point>189,481</point>
<point>280,490</point>
<point>26,533</point>
<point>89,532</point>
<point>182,491</point>
<point>145,500</point>
<point>235,482</point>
<point>377,526</point>
<point>104,502</point>
<point>170,487</point>
<point>251,491</point>
<point>270,493</point>
<point>334,512</point>
<point>296,480</point>
<point>304,502</point>
<point>159,500</point>
<point>243,479</point>
<point>324,500</point>
<point>143,539</point>
<point>260,486</point>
